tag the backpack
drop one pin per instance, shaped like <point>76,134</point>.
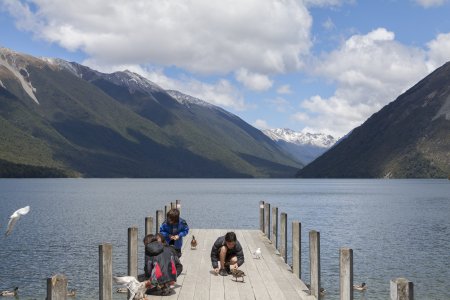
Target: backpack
<point>162,270</point>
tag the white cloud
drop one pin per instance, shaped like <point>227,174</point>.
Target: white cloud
<point>370,71</point>
<point>253,81</point>
<point>323,3</point>
<point>328,24</point>
<point>438,51</point>
<point>284,89</point>
<point>261,124</point>
<point>281,104</point>
<point>210,37</point>
<point>430,3</point>
<point>221,93</point>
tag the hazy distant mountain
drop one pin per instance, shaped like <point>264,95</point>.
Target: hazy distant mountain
<point>305,147</point>
<point>408,138</point>
<point>63,119</point>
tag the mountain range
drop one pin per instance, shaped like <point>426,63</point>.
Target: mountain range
<point>304,147</point>
<point>63,119</point>
<point>408,138</point>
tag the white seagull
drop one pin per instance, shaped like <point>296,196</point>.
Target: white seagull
<point>16,216</point>
<point>133,285</point>
<point>257,253</point>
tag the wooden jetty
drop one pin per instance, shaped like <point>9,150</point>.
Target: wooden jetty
<point>267,277</point>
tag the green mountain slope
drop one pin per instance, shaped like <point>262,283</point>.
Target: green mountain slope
<point>91,124</point>
<point>408,138</point>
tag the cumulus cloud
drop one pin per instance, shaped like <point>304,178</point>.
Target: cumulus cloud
<point>438,51</point>
<point>369,71</point>
<point>208,37</point>
<point>253,81</point>
<point>322,3</point>
<point>261,124</point>
<point>430,3</point>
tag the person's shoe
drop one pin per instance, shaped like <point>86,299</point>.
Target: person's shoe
<point>227,268</point>
<point>223,272</point>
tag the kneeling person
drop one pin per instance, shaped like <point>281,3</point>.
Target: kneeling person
<point>228,252</point>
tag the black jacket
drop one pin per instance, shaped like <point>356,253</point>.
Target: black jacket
<point>160,263</point>
<point>236,251</point>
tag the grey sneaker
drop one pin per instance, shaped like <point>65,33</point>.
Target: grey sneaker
<point>223,272</point>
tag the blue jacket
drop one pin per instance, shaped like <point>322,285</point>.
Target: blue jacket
<point>181,229</point>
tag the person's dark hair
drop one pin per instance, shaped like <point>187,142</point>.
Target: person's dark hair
<point>173,216</point>
<point>148,239</point>
<point>161,238</point>
<point>230,237</point>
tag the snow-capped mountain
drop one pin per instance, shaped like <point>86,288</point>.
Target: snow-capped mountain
<point>303,146</point>
<point>300,138</point>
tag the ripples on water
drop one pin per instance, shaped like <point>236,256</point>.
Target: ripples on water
<point>396,228</point>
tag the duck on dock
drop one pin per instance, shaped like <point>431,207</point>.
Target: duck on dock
<point>193,243</point>
<point>238,274</point>
<point>9,293</point>
<point>361,287</point>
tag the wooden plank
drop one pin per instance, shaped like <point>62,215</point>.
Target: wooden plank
<point>267,277</point>
<point>217,290</point>
<point>203,283</point>
<point>287,275</point>
<point>254,287</point>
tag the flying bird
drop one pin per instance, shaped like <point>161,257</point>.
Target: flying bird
<point>193,243</point>
<point>15,217</point>
<point>257,253</point>
<point>135,287</point>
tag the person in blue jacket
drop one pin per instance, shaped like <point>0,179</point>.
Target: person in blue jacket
<point>173,229</point>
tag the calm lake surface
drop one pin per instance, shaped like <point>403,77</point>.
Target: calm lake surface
<point>396,228</point>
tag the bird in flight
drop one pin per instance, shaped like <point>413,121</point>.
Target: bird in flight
<point>15,217</point>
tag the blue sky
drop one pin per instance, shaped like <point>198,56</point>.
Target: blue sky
<point>313,65</point>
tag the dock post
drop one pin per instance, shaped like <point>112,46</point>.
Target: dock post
<point>267,219</point>
<point>132,253</point>
<point>274,236</point>
<point>402,289</point>
<point>159,220</point>
<point>105,271</point>
<point>283,236</point>
<point>346,273</point>
<point>314,261</point>
<point>148,225</point>
<point>178,205</point>
<point>166,209</point>
<point>261,216</point>
<point>296,248</point>
<point>57,287</point>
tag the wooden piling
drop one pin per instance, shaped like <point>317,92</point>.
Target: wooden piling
<point>274,236</point>
<point>283,236</point>
<point>166,210</point>
<point>132,253</point>
<point>105,271</point>
<point>402,289</point>
<point>296,248</point>
<point>267,219</point>
<point>261,216</point>
<point>148,225</point>
<point>57,287</point>
<point>346,273</point>
<point>159,220</point>
<point>178,205</point>
<point>314,261</point>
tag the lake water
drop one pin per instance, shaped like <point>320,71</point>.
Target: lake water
<point>396,228</point>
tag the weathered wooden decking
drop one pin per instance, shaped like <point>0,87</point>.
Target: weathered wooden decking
<point>266,278</point>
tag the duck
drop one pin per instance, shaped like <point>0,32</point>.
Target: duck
<point>9,293</point>
<point>193,243</point>
<point>238,274</point>
<point>361,287</point>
